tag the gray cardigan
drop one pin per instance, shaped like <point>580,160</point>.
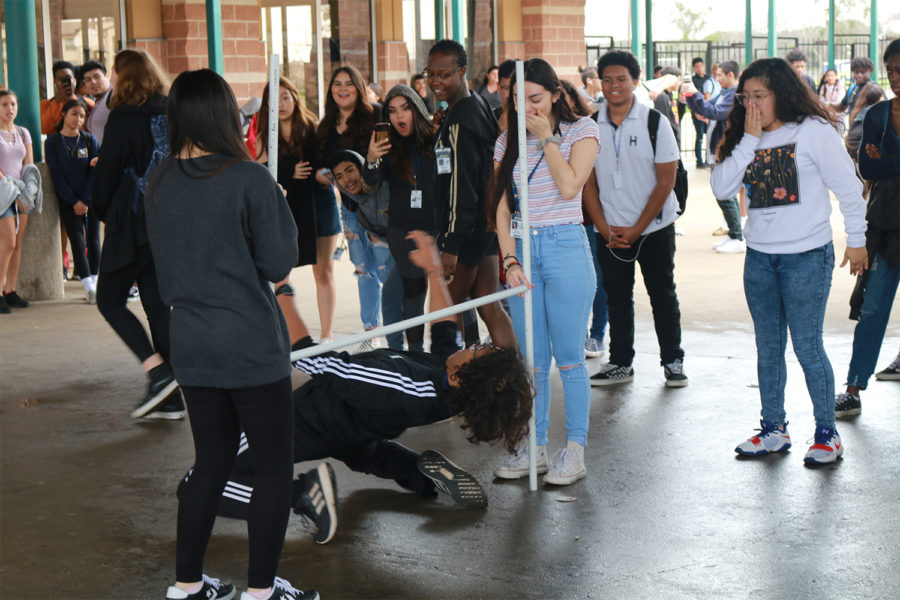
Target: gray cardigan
<point>217,242</point>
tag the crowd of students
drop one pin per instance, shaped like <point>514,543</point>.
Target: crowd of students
<point>424,182</point>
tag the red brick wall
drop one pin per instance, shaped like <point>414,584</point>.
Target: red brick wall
<point>350,26</point>
<point>393,64</point>
<point>185,46</point>
<point>554,31</point>
<point>511,51</point>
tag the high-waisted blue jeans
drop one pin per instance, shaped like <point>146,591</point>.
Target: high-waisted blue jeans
<point>790,291</point>
<point>562,272</point>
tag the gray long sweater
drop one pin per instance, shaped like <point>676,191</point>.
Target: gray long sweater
<point>216,243</point>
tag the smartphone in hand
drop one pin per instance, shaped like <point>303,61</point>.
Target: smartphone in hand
<point>381,132</point>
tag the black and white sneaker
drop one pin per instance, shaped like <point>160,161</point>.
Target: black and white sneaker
<point>212,589</point>
<point>675,376</point>
<point>891,373</point>
<point>846,404</point>
<point>452,480</point>
<point>171,409</point>
<point>162,384</point>
<point>283,590</point>
<point>315,497</point>
<point>611,374</point>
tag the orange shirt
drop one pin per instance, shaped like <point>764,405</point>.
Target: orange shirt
<point>51,114</point>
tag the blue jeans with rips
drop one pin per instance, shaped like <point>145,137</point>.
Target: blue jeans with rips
<point>380,295</point>
<point>564,287</point>
<point>881,287</point>
<point>790,291</point>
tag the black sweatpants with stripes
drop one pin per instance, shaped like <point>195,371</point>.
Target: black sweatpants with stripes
<point>383,458</point>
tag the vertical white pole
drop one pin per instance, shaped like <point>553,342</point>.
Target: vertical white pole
<point>526,262</point>
<point>320,51</point>
<point>274,74</point>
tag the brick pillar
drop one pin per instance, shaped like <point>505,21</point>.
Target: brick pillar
<point>554,30</point>
<point>350,29</point>
<point>481,38</point>
<point>393,64</point>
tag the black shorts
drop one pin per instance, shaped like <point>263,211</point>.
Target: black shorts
<point>472,250</point>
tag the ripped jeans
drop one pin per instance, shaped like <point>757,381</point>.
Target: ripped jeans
<point>562,272</point>
<point>380,287</point>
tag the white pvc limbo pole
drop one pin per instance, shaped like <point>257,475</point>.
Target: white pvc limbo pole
<point>526,263</point>
<point>274,76</point>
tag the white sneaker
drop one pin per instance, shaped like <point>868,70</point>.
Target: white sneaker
<point>593,347</point>
<point>566,465</point>
<point>732,246</point>
<point>516,466</point>
<point>366,346</point>
<point>827,447</point>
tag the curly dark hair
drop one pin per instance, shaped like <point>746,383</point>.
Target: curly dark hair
<point>495,396</point>
<point>620,58</point>
<point>794,101</point>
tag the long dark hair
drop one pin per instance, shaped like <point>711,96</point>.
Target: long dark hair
<point>303,124</point>
<point>538,71</point>
<point>794,101</point>
<point>203,113</point>
<point>582,108</point>
<point>870,94</point>
<point>822,84</point>
<point>361,122</point>
<point>400,155</point>
<point>69,105</point>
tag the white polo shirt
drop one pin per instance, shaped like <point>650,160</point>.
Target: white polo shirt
<point>622,207</point>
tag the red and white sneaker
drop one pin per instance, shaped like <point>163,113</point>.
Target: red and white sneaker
<point>771,438</point>
<point>827,447</point>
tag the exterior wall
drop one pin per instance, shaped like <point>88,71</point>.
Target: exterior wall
<point>554,31</point>
<point>351,30</point>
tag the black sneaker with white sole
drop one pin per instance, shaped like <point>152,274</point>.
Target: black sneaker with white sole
<point>212,589</point>
<point>846,405</point>
<point>891,373</point>
<point>452,480</point>
<point>674,372</point>
<point>315,497</point>
<point>283,590</point>
<point>162,384</point>
<point>172,408</point>
<point>611,374</point>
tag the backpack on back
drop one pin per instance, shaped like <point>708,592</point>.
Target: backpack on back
<point>681,175</point>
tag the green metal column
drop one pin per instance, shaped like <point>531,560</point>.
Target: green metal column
<point>635,28</point>
<point>21,42</point>
<point>748,34</point>
<point>214,35</point>
<point>831,34</point>
<point>648,68</point>
<point>458,27</point>
<point>438,20</point>
<point>873,36</point>
<point>773,35</point>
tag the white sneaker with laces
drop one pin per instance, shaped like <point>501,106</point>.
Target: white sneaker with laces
<point>732,246</point>
<point>516,466</point>
<point>566,465</point>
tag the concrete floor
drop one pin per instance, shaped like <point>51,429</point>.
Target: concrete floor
<point>87,496</point>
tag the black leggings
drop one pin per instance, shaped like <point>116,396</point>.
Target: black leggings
<point>413,306</point>
<point>266,415</point>
<point>112,299</point>
<point>75,229</point>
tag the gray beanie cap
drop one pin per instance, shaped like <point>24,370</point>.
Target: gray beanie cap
<point>411,96</point>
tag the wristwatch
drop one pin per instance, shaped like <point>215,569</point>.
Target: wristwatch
<point>553,139</point>
<point>373,165</point>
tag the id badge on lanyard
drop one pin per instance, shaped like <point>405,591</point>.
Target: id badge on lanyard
<point>415,199</point>
<point>515,226</point>
<point>442,156</point>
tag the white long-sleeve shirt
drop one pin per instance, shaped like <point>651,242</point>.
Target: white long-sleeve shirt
<point>787,174</point>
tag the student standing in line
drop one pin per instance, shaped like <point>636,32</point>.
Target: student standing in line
<point>879,163</point>
<point>465,143</point>
<point>209,206</point>
<point>636,222</point>
<point>347,124</point>
<point>561,152</point>
<point>134,143</point>
<point>405,160</point>
<point>783,146</point>
<point>69,153</point>
<point>15,153</point>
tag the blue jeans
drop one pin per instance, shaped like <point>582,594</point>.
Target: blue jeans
<point>791,290</point>
<point>881,287</point>
<point>380,296</point>
<point>564,287</point>
<point>599,312</point>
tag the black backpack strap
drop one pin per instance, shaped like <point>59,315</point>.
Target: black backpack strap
<point>653,127</point>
